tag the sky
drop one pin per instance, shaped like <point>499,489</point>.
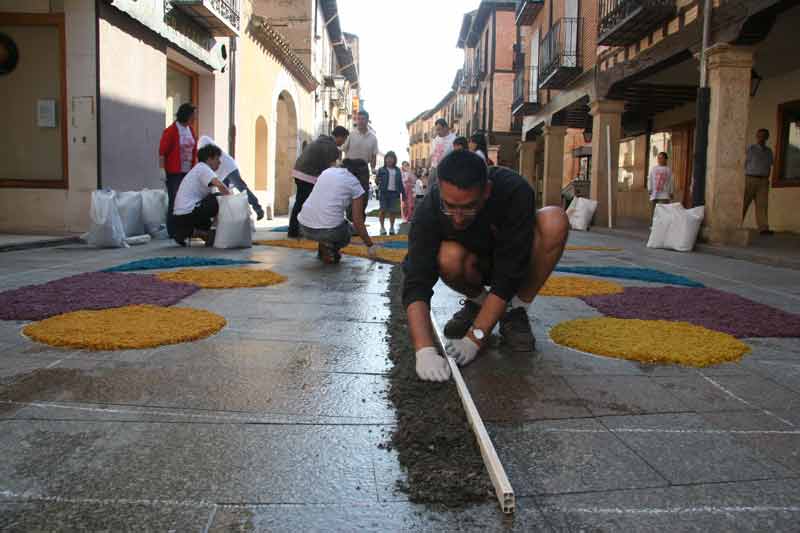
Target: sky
<point>409,59</point>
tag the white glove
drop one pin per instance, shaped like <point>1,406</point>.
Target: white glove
<point>431,366</point>
<point>462,350</point>
<point>372,252</point>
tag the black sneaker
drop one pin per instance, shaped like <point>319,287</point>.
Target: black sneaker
<point>515,327</point>
<point>459,325</point>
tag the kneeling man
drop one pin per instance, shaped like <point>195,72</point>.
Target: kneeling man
<point>478,228</point>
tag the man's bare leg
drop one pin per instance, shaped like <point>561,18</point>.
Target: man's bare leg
<point>549,240</point>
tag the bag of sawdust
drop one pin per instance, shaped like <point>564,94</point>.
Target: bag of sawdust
<point>581,212</point>
<point>154,211</point>
<point>129,204</point>
<point>106,230</point>
<point>233,222</point>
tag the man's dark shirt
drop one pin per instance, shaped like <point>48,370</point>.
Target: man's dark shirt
<point>502,231</point>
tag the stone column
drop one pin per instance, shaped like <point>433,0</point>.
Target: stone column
<point>606,116</point>
<point>527,161</point>
<point>553,164</point>
<point>729,70</point>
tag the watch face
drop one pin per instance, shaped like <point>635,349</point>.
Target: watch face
<point>8,54</point>
<point>478,334</point>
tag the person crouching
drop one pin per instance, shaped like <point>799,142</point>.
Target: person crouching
<point>195,203</point>
<point>322,216</point>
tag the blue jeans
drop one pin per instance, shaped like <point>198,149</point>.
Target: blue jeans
<point>235,179</point>
<point>337,237</point>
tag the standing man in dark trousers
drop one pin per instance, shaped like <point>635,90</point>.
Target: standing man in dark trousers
<point>317,157</point>
<point>478,227</point>
<point>757,169</point>
<point>177,154</point>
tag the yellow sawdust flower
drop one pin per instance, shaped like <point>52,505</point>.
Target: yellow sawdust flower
<point>223,278</point>
<point>650,341</point>
<point>574,286</point>
<point>125,328</point>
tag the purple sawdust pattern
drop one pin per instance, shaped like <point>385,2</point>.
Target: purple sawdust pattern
<point>713,309</point>
<point>90,291</point>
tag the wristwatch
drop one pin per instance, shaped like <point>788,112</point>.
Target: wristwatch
<point>478,334</point>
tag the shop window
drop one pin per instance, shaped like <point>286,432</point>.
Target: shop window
<point>787,163</point>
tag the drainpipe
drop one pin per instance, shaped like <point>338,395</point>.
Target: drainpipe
<point>232,98</point>
<point>97,93</point>
<point>701,126</point>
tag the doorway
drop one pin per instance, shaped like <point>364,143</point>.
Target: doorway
<point>285,151</point>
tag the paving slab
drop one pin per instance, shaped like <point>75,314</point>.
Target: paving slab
<point>725,393</point>
<point>555,457</point>
<point>89,515</point>
<point>614,395</point>
<point>379,518</point>
<point>188,462</point>
<point>224,388</point>
<point>735,507</point>
<point>685,449</point>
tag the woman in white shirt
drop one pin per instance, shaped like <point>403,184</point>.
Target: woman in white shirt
<point>322,217</point>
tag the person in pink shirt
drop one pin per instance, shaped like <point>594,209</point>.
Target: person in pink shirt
<point>409,180</point>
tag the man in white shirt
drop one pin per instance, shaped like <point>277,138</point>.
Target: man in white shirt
<point>322,216</point>
<point>195,204</point>
<point>660,183</point>
<point>441,145</point>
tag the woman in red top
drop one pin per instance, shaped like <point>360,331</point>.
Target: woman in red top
<point>177,153</point>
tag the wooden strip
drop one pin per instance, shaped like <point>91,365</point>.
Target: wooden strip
<point>502,486</point>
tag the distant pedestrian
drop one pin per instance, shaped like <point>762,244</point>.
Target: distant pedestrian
<point>441,145</point>
<point>409,179</point>
<point>460,143</point>
<point>228,171</point>
<point>177,154</point>
<point>660,183</point>
<point>313,161</point>
<point>390,185</point>
<point>419,190</point>
<point>757,169</point>
<point>362,144</point>
<point>477,144</point>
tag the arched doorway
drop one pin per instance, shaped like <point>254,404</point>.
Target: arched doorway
<point>261,152</point>
<point>285,151</point>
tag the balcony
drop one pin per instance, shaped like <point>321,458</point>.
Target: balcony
<point>559,56</point>
<point>526,92</point>
<point>624,22</point>
<point>479,69</point>
<point>527,11</point>
<point>220,17</point>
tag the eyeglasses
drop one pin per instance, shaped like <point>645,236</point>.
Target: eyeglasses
<point>463,211</point>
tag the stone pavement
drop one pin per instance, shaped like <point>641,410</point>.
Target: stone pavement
<point>274,423</point>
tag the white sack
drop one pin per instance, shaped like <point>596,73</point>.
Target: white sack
<point>580,213</point>
<point>106,230</point>
<point>684,228</point>
<point>130,211</point>
<point>233,222</point>
<point>154,210</point>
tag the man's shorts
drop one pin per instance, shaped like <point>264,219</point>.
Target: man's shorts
<point>390,202</point>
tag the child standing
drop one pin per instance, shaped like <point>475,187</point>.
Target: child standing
<point>660,183</point>
<point>390,187</point>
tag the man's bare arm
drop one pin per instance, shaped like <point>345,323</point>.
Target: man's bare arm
<point>419,325</point>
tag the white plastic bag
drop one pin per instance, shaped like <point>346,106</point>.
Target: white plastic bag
<point>106,230</point>
<point>130,211</point>
<point>675,228</point>
<point>233,222</point>
<point>580,213</point>
<point>684,228</point>
<point>154,210</point>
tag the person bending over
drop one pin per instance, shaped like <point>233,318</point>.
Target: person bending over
<point>315,159</point>
<point>195,203</point>
<point>478,228</point>
<point>231,177</point>
<point>322,217</point>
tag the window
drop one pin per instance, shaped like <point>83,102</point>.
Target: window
<point>787,162</point>
<point>181,88</point>
<point>627,165</point>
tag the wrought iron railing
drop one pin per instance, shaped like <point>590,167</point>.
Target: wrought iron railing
<point>613,12</point>
<point>526,86</point>
<point>560,47</point>
<point>227,9</point>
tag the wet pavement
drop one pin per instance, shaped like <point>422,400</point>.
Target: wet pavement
<point>274,423</point>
